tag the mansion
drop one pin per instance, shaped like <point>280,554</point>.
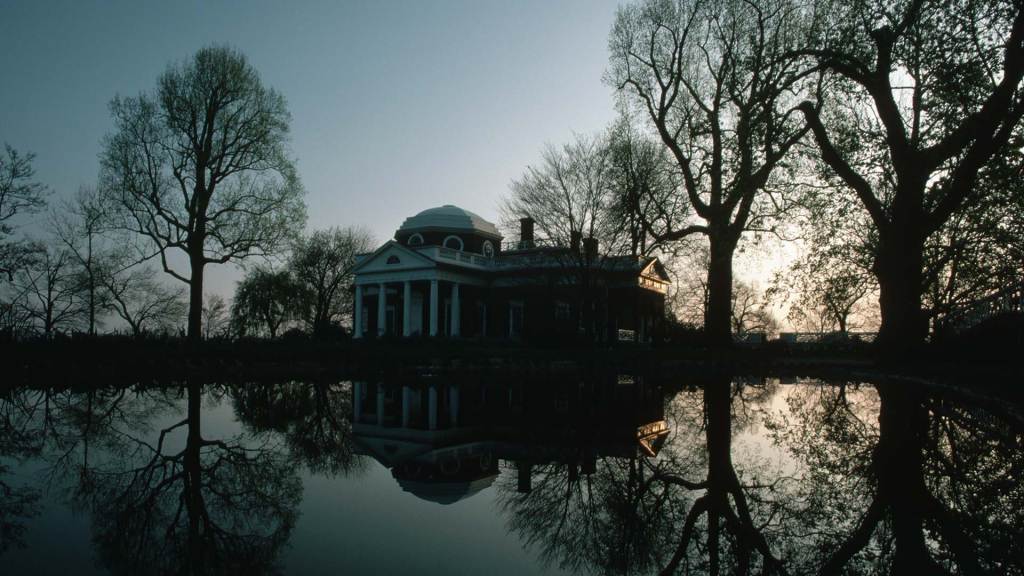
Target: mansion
<point>447,273</point>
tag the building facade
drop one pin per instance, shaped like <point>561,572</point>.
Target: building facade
<point>447,273</point>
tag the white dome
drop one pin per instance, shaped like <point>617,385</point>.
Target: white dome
<point>449,218</point>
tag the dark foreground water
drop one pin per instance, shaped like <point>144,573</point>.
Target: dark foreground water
<point>473,473</point>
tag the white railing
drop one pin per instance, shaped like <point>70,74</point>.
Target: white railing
<point>458,256</point>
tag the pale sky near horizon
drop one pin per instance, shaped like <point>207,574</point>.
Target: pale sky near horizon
<point>396,106</point>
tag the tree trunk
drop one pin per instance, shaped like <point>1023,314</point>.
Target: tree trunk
<point>195,300</point>
<point>193,479</point>
<point>718,316</point>
<point>899,466</point>
<point>899,268</point>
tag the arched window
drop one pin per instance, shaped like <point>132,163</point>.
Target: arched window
<point>488,249</point>
<point>453,242</point>
<point>415,240</point>
<point>393,259</point>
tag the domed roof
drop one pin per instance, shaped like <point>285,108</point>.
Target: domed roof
<point>449,218</point>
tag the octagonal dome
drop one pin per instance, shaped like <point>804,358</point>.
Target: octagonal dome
<point>449,218</point>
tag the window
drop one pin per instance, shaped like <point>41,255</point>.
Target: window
<point>488,249</point>
<point>393,259</point>
<point>562,310</point>
<point>415,240</point>
<point>453,242</point>
<point>515,319</point>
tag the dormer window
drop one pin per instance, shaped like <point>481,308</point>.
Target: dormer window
<point>453,242</point>
<point>488,249</point>
<point>415,240</point>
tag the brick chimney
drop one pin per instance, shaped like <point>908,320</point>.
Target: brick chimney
<point>526,232</point>
<point>590,249</point>
<point>575,237</point>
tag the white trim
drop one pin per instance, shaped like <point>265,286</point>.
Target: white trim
<point>414,257</point>
<point>487,244</point>
<point>409,241</point>
<point>371,279</point>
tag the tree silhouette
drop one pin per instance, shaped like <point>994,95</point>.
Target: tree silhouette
<point>322,263</point>
<point>19,194</point>
<point>715,85</point>
<point>927,94</point>
<point>200,167</point>
<point>208,507</point>
<point>312,417</point>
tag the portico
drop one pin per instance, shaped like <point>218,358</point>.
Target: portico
<point>410,296</point>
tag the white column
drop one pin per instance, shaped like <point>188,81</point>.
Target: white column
<point>407,310</point>
<point>357,401</point>
<point>357,314</point>
<point>406,406</point>
<point>453,405</point>
<point>382,316</point>
<point>380,404</point>
<point>456,310</point>
<point>432,408</point>
<point>433,307</point>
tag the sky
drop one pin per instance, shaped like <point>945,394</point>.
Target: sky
<point>397,106</point>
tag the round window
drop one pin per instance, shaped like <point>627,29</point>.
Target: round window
<point>453,242</point>
<point>415,240</point>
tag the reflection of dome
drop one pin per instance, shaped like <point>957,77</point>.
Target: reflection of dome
<point>443,492</point>
<point>449,218</point>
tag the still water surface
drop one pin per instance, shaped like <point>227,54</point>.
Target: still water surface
<point>471,473</point>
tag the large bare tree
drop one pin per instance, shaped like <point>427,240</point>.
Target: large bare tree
<point>715,85</point>
<point>928,93</point>
<point>200,168</point>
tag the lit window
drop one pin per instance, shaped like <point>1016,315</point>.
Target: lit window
<point>488,249</point>
<point>415,240</point>
<point>453,242</point>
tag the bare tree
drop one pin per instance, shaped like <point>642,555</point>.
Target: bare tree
<point>569,194</point>
<point>51,293</point>
<point>322,263</point>
<point>143,302</point>
<point>927,94</point>
<point>714,83</point>
<point>644,183</point>
<point>19,194</point>
<point>750,311</point>
<point>200,167</point>
<point>215,317</point>
<point>80,226</point>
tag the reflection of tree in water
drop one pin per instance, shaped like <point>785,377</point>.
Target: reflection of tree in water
<point>726,525</point>
<point>922,485</point>
<point>313,418</point>
<point>190,504</point>
<point>636,515</point>
<point>17,443</point>
<point>613,520</point>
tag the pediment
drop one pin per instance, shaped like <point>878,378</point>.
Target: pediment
<point>391,257</point>
<point>655,269</point>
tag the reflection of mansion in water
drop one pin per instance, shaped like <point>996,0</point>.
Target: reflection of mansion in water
<point>446,273</point>
<point>446,439</point>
